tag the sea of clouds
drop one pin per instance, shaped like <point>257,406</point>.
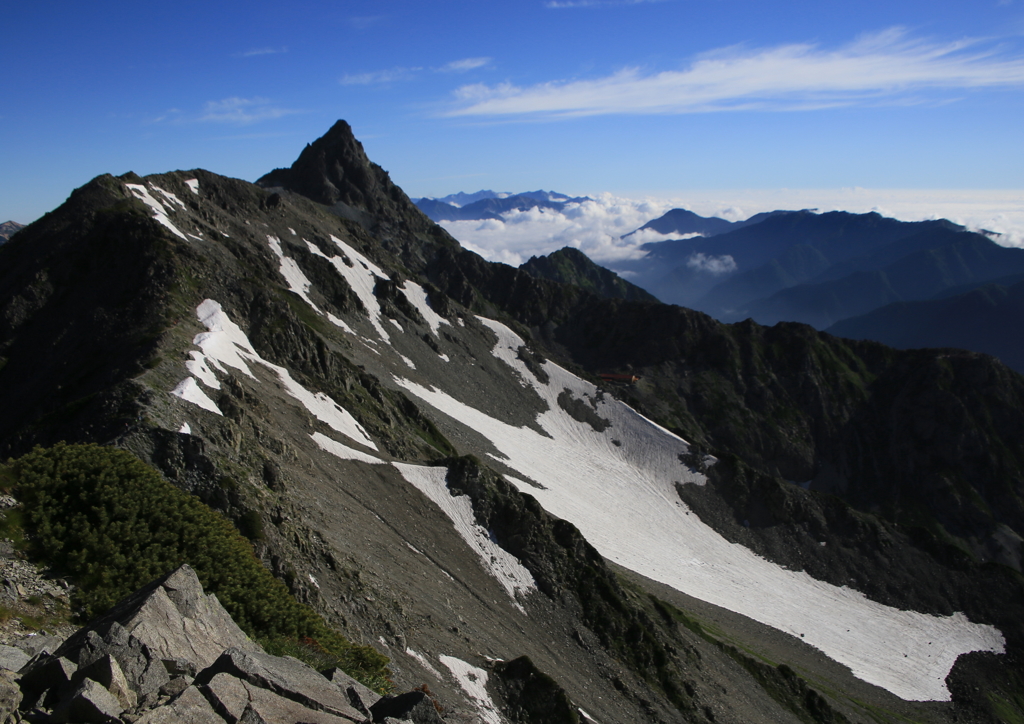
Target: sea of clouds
<point>599,227</point>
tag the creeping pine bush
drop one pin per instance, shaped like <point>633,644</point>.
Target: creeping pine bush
<point>111,524</point>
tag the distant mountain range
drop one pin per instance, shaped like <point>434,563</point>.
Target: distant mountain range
<point>7,229</point>
<point>491,205</point>
<point>821,269</point>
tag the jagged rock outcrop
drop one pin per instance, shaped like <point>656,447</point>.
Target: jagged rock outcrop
<point>170,653</point>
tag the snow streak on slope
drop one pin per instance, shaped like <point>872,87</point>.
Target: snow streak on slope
<point>361,274</point>
<point>417,297</point>
<point>159,211</point>
<point>190,391</point>
<point>431,481</point>
<point>297,281</point>
<point>505,567</point>
<point>225,345</point>
<point>617,485</point>
<point>473,681</point>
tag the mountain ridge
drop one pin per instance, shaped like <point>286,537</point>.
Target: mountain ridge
<point>393,346</point>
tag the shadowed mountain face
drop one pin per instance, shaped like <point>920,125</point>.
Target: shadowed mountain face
<point>440,469</point>
<point>572,266</point>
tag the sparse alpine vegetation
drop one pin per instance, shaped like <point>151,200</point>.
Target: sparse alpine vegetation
<point>111,524</point>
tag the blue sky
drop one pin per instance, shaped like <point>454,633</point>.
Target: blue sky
<point>630,97</point>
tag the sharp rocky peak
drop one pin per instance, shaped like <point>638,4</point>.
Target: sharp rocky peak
<point>334,169</point>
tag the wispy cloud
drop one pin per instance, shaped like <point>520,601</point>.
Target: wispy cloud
<point>362,22</point>
<point>242,111</point>
<point>888,66</point>
<point>560,4</point>
<point>461,66</point>
<point>395,75</point>
<point>262,51</point>
<point>379,77</point>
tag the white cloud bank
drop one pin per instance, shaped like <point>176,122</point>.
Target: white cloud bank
<point>882,67</point>
<point>595,227</point>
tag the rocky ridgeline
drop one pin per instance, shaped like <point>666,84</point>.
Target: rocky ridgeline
<point>171,653</point>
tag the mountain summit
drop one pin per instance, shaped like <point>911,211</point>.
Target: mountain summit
<point>540,503</point>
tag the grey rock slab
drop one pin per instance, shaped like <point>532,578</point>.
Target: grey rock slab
<point>107,671</point>
<point>10,694</point>
<point>286,677</point>
<point>228,695</point>
<point>190,707</point>
<point>179,621</point>
<point>89,703</point>
<point>12,658</point>
<point>241,701</point>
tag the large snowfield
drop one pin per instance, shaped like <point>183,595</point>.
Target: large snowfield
<point>617,484</point>
<point>618,487</point>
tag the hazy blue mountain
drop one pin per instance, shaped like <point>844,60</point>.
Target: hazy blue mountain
<point>683,221</point>
<point>492,207</point>
<point>461,198</point>
<point>7,229</point>
<point>987,319</point>
<point>794,244</point>
<point>969,259</point>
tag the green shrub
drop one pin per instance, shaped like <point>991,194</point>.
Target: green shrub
<point>110,523</point>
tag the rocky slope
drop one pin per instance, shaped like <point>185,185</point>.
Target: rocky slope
<point>314,352</point>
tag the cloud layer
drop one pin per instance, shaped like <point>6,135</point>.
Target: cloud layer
<point>596,227</point>
<point>884,67</point>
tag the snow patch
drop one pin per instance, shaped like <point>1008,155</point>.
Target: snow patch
<point>198,367</point>
<point>361,276</point>
<point>297,281</point>
<point>506,568</point>
<point>159,212</point>
<point>193,183</point>
<point>425,663</point>
<point>617,485</point>
<point>188,389</point>
<point>417,297</point>
<point>343,451</point>
<point>409,363</point>
<point>225,345</point>
<point>474,682</point>
<point>171,198</point>
<point>185,429</point>
<point>444,357</point>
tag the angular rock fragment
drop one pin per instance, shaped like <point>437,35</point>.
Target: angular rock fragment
<point>360,696</point>
<point>286,677</point>
<point>414,706</point>
<point>89,703</point>
<point>190,707</point>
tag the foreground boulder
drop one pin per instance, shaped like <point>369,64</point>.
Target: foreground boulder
<point>170,653</point>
